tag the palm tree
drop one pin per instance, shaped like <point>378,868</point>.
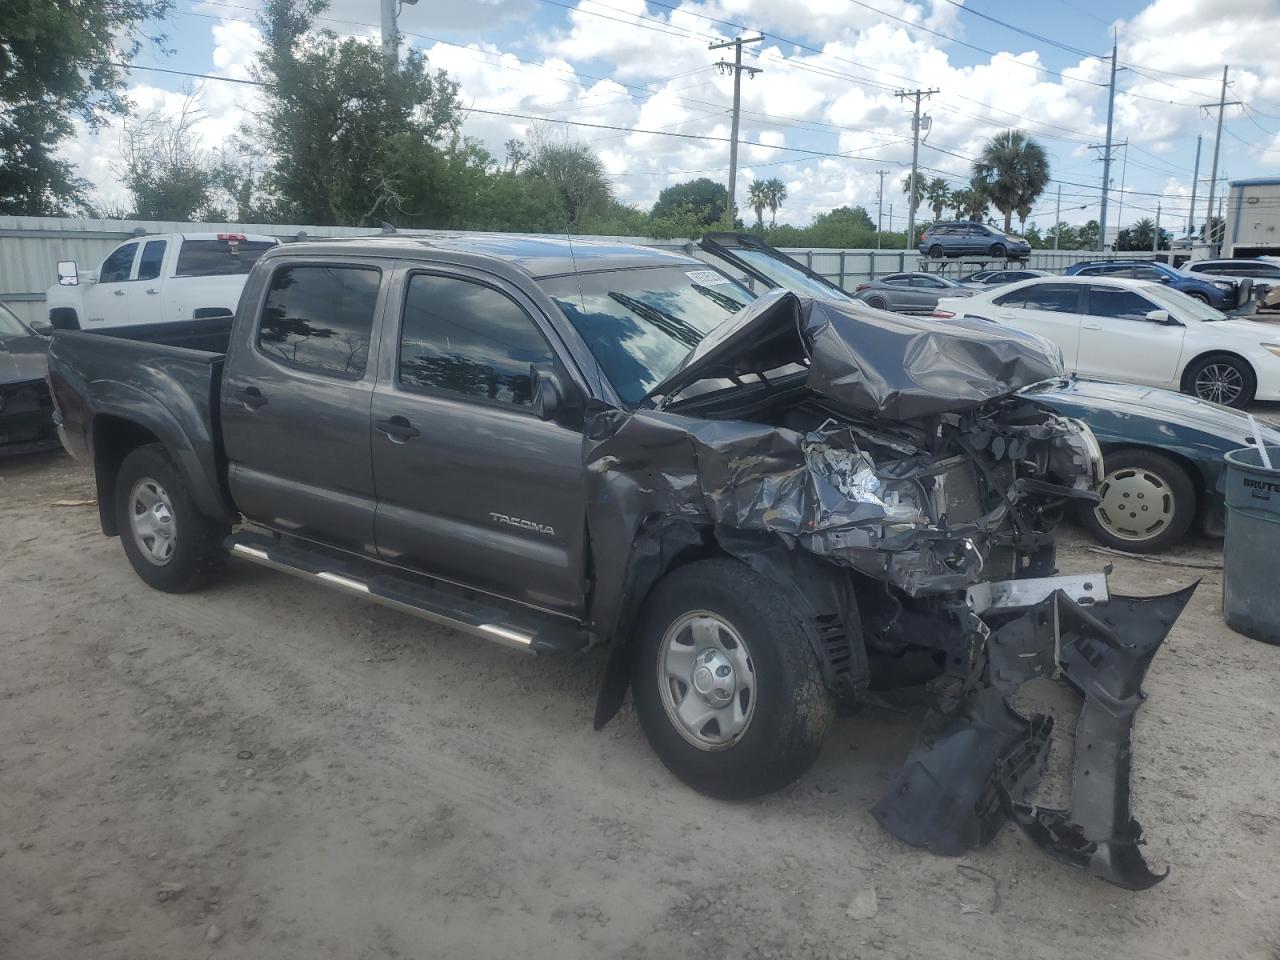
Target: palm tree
<point>777,192</point>
<point>919,192</point>
<point>758,199</point>
<point>576,174</point>
<point>937,195</point>
<point>1016,170</point>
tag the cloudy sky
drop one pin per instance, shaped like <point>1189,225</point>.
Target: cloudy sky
<point>823,115</point>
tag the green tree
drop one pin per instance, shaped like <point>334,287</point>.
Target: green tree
<point>938,195</point>
<point>758,199</point>
<point>775,193</point>
<point>709,198</point>
<point>577,176</point>
<point>918,197</point>
<point>1087,236</point>
<point>56,66</point>
<point>331,113</point>
<point>1016,170</point>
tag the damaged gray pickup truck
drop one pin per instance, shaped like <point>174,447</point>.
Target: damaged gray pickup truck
<point>757,502</point>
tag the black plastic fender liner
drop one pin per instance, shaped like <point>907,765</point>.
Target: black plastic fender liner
<point>976,760</point>
<point>1105,653</point>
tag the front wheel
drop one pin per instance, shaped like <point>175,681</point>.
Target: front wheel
<point>1220,378</point>
<point>1202,297</point>
<point>999,251</point>
<point>877,303</point>
<point>171,545</point>
<point>1148,502</point>
<point>726,685</point>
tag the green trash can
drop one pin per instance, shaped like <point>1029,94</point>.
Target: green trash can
<point>1250,589</point>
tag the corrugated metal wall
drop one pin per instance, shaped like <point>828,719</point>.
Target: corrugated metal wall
<point>30,248</point>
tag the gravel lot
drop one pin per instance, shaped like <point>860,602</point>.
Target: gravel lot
<point>270,770</point>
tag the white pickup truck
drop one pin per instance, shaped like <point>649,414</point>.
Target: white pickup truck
<point>156,279</point>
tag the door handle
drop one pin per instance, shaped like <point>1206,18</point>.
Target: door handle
<point>1089,325</point>
<point>397,429</point>
<point>118,293</point>
<point>251,397</point>
<point>152,290</point>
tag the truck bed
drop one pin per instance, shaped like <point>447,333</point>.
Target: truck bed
<point>163,378</point>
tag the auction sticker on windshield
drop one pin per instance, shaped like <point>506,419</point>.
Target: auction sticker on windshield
<point>707,277</point>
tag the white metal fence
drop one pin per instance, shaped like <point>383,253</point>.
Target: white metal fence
<point>30,248</point>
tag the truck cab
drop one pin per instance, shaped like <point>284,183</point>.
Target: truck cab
<point>156,279</point>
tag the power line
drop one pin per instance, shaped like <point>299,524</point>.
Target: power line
<point>1026,33</point>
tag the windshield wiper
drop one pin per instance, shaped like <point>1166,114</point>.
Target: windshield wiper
<point>669,324</point>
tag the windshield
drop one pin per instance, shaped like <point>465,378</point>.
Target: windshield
<point>641,324</point>
<point>788,277</point>
<point>1182,306</point>
<point>10,325</point>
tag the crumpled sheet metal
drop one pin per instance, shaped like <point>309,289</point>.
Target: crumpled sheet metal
<point>899,367</point>
<point>868,363</point>
<point>747,477</point>
<point>976,749</point>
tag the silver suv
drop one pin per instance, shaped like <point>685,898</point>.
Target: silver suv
<point>962,238</point>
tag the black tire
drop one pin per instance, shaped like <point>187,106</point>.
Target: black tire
<point>64,318</point>
<point>792,709</point>
<point>1234,368</point>
<point>936,251</point>
<point>1202,297</point>
<point>1000,250</point>
<point>877,303</point>
<point>1164,503</point>
<point>196,554</point>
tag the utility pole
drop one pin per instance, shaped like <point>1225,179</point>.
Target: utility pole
<point>1155,240</point>
<point>1057,219</point>
<point>1108,154</point>
<point>1217,144</point>
<point>1124,176</point>
<point>391,34</point>
<point>724,66</point>
<point>891,218</point>
<point>917,96</point>
<point>1195,182</point>
<point>1106,151</point>
<point>880,207</point>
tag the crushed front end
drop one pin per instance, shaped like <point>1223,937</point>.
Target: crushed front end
<point>908,497</point>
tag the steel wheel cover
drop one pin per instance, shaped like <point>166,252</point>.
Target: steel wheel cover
<point>151,521</point>
<point>706,680</point>
<point>1137,504</point>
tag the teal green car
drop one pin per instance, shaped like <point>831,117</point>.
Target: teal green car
<point>1164,472</point>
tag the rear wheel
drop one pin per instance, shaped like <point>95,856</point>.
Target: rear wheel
<point>1220,378</point>
<point>726,685</point>
<point>878,303</point>
<point>1148,502</point>
<point>936,251</point>
<point>999,250</point>
<point>171,545</point>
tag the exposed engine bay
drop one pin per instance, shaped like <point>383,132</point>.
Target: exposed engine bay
<point>896,485</point>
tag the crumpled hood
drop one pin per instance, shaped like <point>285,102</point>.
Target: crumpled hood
<point>23,359</point>
<point>866,362</point>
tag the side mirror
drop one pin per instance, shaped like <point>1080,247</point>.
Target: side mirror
<point>1158,316</point>
<point>41,328</point>
<point>546,390</point>
<point>1166,280</point>
<point>68,273</point>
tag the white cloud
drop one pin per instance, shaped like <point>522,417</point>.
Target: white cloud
<point>626,63</point>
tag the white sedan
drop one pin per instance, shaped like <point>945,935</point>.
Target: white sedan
<point>1135,331</point>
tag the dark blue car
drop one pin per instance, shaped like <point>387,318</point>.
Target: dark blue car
<point>1216,293</point>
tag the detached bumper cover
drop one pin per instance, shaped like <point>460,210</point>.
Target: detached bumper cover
<point>977,761</point>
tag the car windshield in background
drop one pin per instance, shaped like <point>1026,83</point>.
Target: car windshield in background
<point>788,277</point>
<point>10,325</point>
<point>640,324</point>
<point>219,258</point>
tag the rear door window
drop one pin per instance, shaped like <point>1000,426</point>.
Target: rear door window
<point>1052,297</point>
<point>151,260</point>
<point>219,258</point>
<point>320,318</point>
<point>118,265</point>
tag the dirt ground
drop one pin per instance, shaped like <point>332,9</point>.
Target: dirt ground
<point>270,770</point>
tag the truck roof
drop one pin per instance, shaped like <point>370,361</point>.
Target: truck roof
<point>537,255</point>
